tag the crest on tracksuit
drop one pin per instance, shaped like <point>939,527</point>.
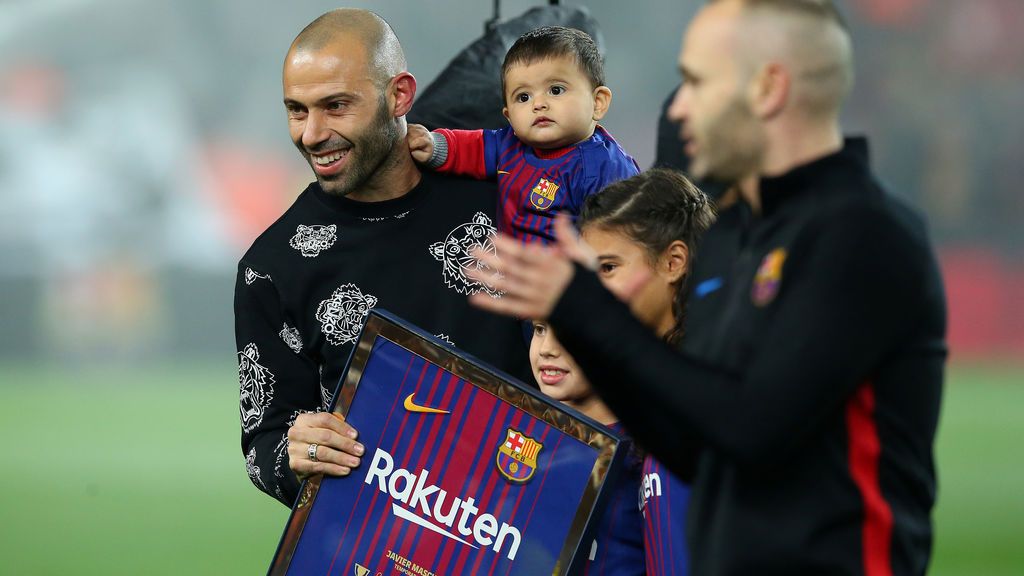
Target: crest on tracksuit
<point>768,278</point>
<point>517,456</point>
<point>543,194</point>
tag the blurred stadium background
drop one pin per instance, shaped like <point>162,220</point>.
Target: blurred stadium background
<point>143,146</point>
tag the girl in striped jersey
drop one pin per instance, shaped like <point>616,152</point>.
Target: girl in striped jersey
<point>648,227</point>
<point>617,549</point>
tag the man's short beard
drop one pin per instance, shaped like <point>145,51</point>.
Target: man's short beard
<point>371,149</point>
<point>737,144</point>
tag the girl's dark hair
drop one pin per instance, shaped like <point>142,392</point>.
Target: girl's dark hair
<point>654,209</point>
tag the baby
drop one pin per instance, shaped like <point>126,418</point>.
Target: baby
<point>554,154</point>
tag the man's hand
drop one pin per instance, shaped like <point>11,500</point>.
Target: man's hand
<point>531,277</point>
<point>421,145</point>
<point>572,245</point>
<point>336,452</point>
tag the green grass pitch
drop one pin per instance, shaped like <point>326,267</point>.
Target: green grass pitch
<point>138,471</point>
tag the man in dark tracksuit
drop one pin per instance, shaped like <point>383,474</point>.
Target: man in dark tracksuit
<point>814,393</point>
<point>811,373</point>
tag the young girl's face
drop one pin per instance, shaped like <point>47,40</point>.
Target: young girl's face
<point>622,263</point>
<point>556,372</point>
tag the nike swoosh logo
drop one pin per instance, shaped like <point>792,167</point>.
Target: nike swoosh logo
<point>413,407</point>
<point>503,172</point>
<point>406,515</point>
<point>707,287</point>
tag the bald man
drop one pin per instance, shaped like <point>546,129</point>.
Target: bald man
<point>370,232</point>
<point>809,382</point>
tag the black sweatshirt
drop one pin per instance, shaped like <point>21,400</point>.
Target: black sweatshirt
<point>810,379</point>
<point>305,286</point>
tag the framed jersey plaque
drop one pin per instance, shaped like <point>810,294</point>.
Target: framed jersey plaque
<point>466,470</point>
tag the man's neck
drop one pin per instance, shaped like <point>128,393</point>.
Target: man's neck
<point>796,145</point>
<point>791,148</point>
<point>395,177</point>
<point>750,192</point>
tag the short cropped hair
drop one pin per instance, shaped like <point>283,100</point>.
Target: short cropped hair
<point>826,57</point>
<point>554,42</point>
<point>824,10</point>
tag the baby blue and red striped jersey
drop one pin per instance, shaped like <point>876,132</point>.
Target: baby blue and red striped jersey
<point>618,547</point>
<point>534,185</point>
<point>663,502</point>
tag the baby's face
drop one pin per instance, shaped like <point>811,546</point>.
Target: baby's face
<point>550,103</point>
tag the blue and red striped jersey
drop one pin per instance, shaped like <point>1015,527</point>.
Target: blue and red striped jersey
<point>618,547</point>
<point>663,502</point>
<point>534,185</point>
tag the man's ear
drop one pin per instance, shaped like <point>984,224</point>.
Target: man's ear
<point>602,101</point>
<point>675,260</point>
<point>401,93</point>
<point>769,90</point>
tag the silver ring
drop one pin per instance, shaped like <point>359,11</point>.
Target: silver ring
<point>312,452</point>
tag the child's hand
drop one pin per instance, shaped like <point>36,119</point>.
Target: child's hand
<point>421,145</point>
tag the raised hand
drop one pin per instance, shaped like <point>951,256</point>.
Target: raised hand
<point>421,145</point>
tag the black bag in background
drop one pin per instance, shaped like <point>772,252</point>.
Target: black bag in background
<point>467,93</point>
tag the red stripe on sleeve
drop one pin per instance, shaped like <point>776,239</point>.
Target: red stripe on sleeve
<point>465,153</point>
<point>865,449</point>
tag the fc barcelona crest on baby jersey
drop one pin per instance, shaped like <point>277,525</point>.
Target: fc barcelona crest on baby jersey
<point>517,456</point>
<point>768,277</point>
<point>543,194</point>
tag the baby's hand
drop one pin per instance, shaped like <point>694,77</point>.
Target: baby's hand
<point>421,145</point>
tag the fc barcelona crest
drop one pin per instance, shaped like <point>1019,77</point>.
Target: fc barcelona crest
<point>768,278</point>
<point>517,456</point>
<point>543,194</point>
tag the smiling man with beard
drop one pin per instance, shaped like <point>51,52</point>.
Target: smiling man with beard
<point>362,236</point>
<point>340,111</point>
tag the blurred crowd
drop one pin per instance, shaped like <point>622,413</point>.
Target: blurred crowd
<point>142,148</point>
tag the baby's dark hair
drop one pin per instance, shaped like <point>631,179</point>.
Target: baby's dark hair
<point>553,42</point>
<point>654,209</point>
